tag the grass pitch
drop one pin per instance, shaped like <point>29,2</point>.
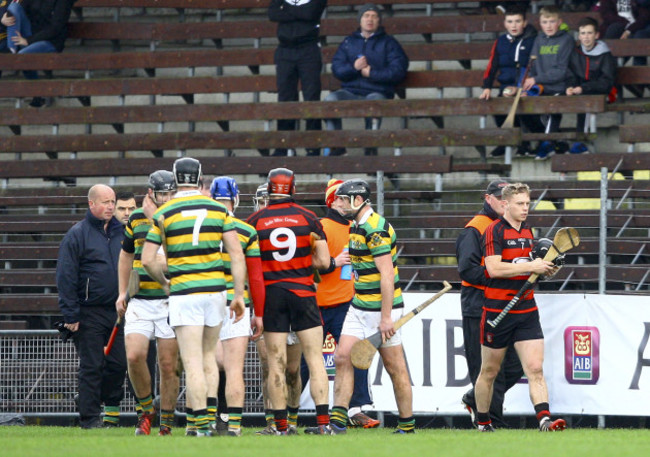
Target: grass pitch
<point>41,441</point>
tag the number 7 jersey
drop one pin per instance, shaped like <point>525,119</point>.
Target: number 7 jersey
<point>194,227</point>
<point>284,229</point>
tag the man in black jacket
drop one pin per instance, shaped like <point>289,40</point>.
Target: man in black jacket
<point>471,268</point>
<point>86,277</point>
<point>298,57</point>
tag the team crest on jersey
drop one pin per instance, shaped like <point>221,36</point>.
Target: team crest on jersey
<point>582,355</point>
<point>376,240</point>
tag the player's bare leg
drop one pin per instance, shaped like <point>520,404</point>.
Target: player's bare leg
<point>234,354</point>
<point>344,381</point>
<point>395,364</point>
<point>137,348</point>
<point>276,350</point>
<point>311,341</point>
<point>169,382</point>
<point>491,360</point>
<point>531,354</point>
<point>294,385</point>
<point>264,366</point>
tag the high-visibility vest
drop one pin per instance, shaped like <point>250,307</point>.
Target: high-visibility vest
<point>480,222</point>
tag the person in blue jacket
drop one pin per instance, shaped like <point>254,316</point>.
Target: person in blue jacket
<point>370,64</point>
<point>86,278</point>
<point>507,64</point>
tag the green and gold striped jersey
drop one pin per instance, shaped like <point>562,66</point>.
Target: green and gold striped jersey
<point>194,225</point>
<point>372,237</point>
<point>250,245</point>
<point>135,234</point>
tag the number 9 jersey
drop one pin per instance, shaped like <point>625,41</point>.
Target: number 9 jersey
<point>285,235</point>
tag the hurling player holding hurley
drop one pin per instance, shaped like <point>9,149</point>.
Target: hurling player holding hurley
<point>377,304</point>
<point>508,242</point>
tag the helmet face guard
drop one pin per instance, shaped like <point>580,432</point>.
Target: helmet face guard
<point>225,188</point>
<point>161,182</point>
<point>261,196</point>
<point>281,182</point>
<point>187,172</point>
<point>351,189</point>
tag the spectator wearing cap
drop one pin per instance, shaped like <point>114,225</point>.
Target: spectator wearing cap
<point>334,295</point>
<point>471,268</point>
<point>370,64</point>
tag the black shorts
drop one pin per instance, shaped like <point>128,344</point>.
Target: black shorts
<point>284,311</point>
<point>513,328</point>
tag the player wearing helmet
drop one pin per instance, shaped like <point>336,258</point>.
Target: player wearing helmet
<point>261,198</point>
<point>191,227</point>
<point>231,350</point>
<point>146,316</point>
<point>505,240</point>
<point>334,295</point>
<point>292,243</point>
<point>377,303</point>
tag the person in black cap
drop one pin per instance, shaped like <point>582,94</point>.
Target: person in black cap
<point>370,64</point>
<point>471,268</point>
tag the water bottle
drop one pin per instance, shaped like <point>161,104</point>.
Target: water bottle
<point>346,270</point>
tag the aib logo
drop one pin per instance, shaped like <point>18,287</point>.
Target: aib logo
<point>329,346</point>
<point>582,355</point>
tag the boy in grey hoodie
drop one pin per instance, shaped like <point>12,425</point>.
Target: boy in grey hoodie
<point>553,47</point>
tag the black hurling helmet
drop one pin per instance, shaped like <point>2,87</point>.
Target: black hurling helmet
<point>187,172</point>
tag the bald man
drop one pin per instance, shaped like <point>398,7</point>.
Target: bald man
<point>86,277</point>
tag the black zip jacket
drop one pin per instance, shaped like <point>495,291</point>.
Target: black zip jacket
<point>469,252</point>
<point>49,20</point>
<point>594,71</point>
<point>298,20</point>
<point>86,272</point>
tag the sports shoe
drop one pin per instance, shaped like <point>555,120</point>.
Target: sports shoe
<point>144,424</point>
<point>545,150</point>
<point>470,407</point>
<point>327,429</point>
<point>164,430</point>
<point>362,420</point>
<point>524,150</point>
<point>485,428</point>
<point>399,431</point>
<point>268,430</point>
<point>220,426</point>
<point>204,433</point>
<point>498,151</point>
<point>234,432</point>
<point>578,148</point>
<point>546,425</point>
<point>292,430</point>
<point>190,431</point>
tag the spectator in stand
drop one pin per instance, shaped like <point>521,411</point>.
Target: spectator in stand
<point>370,64</point>
<point>626,19</point>
<point>508,62</point>
<point>553,47</point>
<point>298,57</point>
<point>4,4</point>
<point>592,70</point>
<point>34,27</point>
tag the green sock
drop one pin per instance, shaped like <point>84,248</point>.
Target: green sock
<point>146,404</point>
<point>339,416</point>
<point>407,424</point>
<point>167,418</point>
<point>234,418</point>
<point>292,416</point>
<point>112,415</point>
<point>268,415</point>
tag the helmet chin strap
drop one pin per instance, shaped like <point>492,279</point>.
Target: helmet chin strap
<point>352,217</point>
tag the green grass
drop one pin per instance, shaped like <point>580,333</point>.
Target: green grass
<point>74,442</point>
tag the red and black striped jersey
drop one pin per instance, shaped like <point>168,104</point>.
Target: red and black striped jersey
<point>512,245</point>
<point>284,229</point>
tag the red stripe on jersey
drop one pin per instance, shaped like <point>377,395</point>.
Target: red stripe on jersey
<point>284,230</point>
<point>503,240</point>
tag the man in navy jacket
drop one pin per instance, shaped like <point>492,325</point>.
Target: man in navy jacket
<point>86,277</point>
<point>370,64</point>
